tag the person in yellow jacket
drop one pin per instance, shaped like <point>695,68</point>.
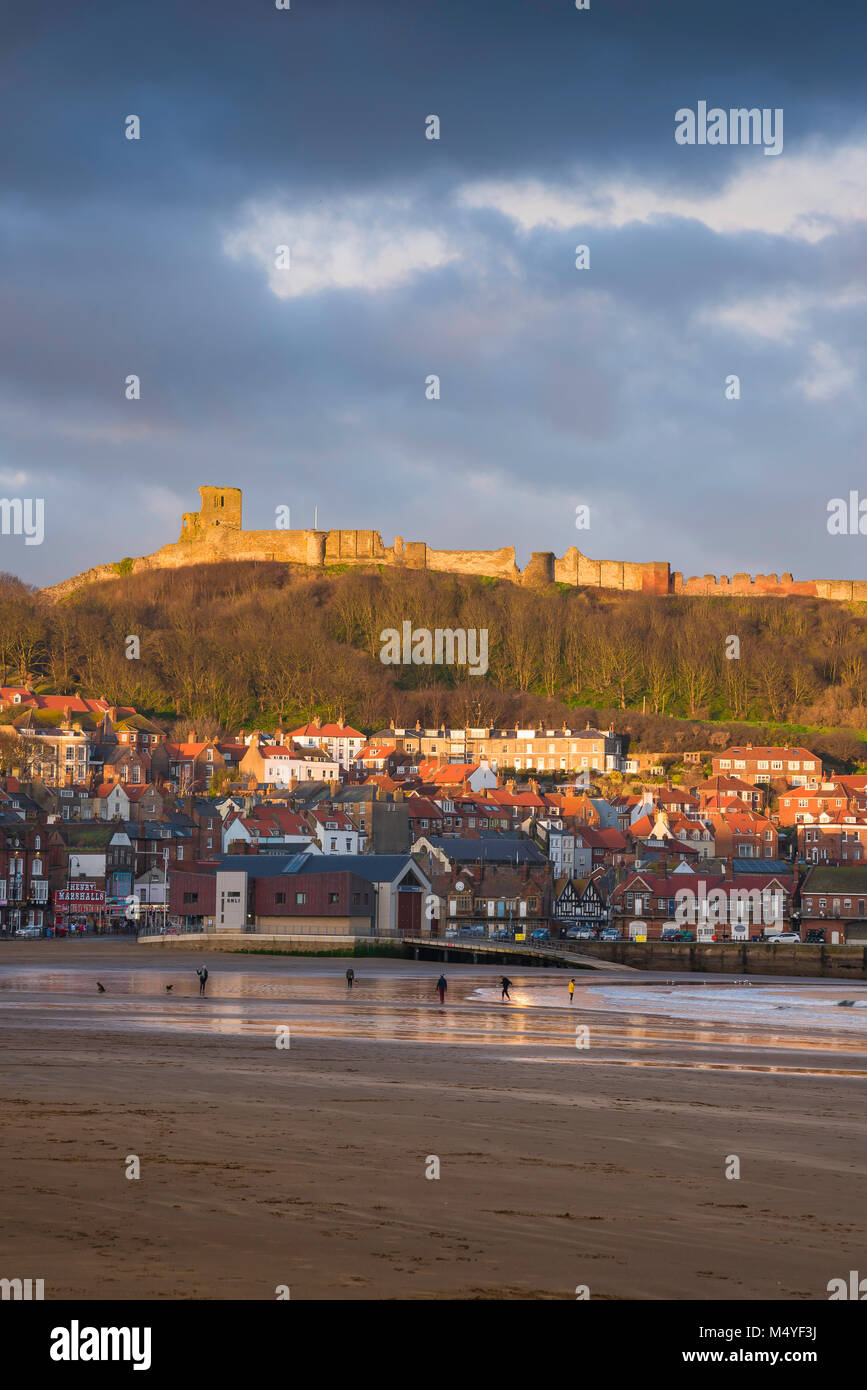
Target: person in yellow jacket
<point>571,990</point>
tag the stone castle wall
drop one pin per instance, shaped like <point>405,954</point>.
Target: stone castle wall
<point>216,533</point>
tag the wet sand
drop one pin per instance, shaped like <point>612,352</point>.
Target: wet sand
<point>305,1166</point>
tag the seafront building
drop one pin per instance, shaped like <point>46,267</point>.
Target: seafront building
<point>108,823</point>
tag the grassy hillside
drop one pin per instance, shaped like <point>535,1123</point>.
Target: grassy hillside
<point>243,643</point>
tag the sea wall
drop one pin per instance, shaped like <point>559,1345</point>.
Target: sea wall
<point>735,958</point>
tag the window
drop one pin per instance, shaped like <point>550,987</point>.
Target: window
<point>300,898</point>
<point>180,851</point>
<point>356,897</point>
<point>191,897</point>
<point>334,897</point>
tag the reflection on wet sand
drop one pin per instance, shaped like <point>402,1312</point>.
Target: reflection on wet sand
<point>699,1026</point>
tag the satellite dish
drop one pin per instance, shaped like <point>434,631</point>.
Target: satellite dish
<point>460,885</point>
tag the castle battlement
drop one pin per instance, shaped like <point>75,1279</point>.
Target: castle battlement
<point>215,532</point>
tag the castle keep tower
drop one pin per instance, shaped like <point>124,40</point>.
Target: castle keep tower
<point>221,506</point>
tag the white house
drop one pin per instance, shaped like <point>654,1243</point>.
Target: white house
<point>282,765</point>
<point>341,742</point>
<point>335,833</point>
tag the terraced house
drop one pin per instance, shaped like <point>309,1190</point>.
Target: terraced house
<point>542,750</point>
<point>761,766</point>
<point>834,902</point>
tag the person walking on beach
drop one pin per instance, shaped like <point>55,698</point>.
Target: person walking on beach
<point>350,978</point>
<point>506,986</point>
<point>442,986</point>
<point>571,990</point>
<point>202,973</point>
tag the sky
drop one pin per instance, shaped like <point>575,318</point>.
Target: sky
<point>603,387</point>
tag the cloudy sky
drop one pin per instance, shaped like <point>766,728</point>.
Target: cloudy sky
<point>455,257</point>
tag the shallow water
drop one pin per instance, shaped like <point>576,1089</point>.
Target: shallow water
<point>792,1027</point>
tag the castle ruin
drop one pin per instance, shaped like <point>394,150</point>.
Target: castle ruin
<point>215,532</point>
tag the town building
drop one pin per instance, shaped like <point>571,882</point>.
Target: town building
<point>761,766</point>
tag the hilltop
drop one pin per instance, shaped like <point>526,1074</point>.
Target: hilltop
<point>252,643</point>
<point>216,533</point>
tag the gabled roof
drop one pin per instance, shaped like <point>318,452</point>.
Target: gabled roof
<point>448,774</point>
<point>777,751</point>
<point>316,730</point>
<point>376,868</point>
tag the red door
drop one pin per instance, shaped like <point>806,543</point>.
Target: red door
<point>409,911</point>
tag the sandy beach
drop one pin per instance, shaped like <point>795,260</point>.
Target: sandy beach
<point>305,1165</point>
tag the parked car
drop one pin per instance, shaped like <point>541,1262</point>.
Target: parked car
<point>581,934</point>
<point>780,938</point>
<point>28,932</point>
<point>815,936</point>
<point>540,934</point>
<point>610,934</point>
<point>472,931</point>
<point>503,934</point>
<point>672,934</point>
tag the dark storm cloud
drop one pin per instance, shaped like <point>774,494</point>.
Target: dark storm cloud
<point>558,387</point>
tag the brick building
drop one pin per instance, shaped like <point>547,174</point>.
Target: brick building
<point>761,766</point>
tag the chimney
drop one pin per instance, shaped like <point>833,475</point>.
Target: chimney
<point>193,738</point>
